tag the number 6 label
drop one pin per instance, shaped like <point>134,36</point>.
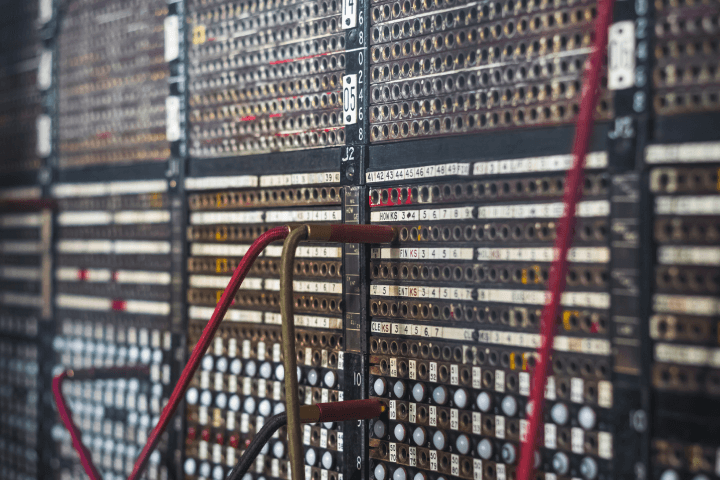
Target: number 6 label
<point>350,105</point>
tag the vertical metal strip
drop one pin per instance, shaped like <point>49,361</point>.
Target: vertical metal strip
<point>629,241</point>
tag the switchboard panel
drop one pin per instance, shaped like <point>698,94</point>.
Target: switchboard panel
<point>240,384</point>
<point>113,307</point>
<point>113,83</point>
<point>147,146</point>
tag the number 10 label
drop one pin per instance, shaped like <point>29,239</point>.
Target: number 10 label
<point>349,99</point>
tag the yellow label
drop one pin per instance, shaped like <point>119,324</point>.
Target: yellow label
<point>221,234</point>
<point>221,265</point>
<point>566,318</point>
<point>218,419</point>
<point>156,200</point>
<point>199,35</point>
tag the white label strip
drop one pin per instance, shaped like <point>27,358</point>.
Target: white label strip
<point>689,205</point>
<point>140,276</point>
<point>45,14</point>
<point>424,215</point>
<point>282,216</point>
<point>84,218</point>
<point>43,127</point>
<point>211,183</point>
<point>107,218</point>
<point>172,38</point>
<point>668,255</point>
<point>686,304</point>
<point>20,221</point>
<point>349,14</point>
<point>305,252</point>
<point>113,246</point>
<point>430,171</point>
<point>543,254</point>
<point>422,253</point>
<point>273,284</point>
<point>551,163</point>
<point>211,281</point>
<point>70,274</point>
<point>540,297</point>
<point>20,273</point>
<point>687,355</point>
<point>145,216</point>
<point>212,218</point>
<point>448,333</point>
<point>65,190</point>
<point>306,321</point>
<point>141,306</point>
<point>21,247</point>
<point>533,340</point>
<point>593,208</point>
<point>204,313</point>
<point>621,55</point>
<point>299,179</point>
<point>218,249</point>
<point>82,302</point>
<point>699,152</point>
<point>226,250</point>
<point>29,220</point>
<point>350,99</point>
<point>20,299</point>
<point>20,193</point>
<point>421,292</point>
<point>172,118</point>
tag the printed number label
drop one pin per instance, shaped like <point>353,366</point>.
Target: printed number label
<point>350,104</point>
<point>349,14</point>
<point>621,55</point>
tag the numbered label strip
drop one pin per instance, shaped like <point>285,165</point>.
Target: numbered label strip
<point>683,153</point>
<point>544,254</point>
<point>550,163</point>
<point>425,215</point>
<point>688,205</point>
<point>65,190</point>
<point>533,340</point>
<point>687,355</point>
<point>226,250</point>
<point>448,333</point>
<point>670,255</point>
<point>422,253</point>
<point>430,171</point>
<point>540,297</point>
<point>690,305</point>
<point>447,293</point>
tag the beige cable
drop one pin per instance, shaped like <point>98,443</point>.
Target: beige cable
<point>287,313</point>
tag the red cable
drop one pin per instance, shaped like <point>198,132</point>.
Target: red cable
<point>274,234</point>
<point>66,414</point>
<point>75,434</point>
<point>565,231</point>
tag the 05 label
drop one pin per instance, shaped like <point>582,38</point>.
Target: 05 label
<point>350,99</point>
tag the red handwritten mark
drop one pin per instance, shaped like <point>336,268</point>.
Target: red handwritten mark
<point>119,305</point>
